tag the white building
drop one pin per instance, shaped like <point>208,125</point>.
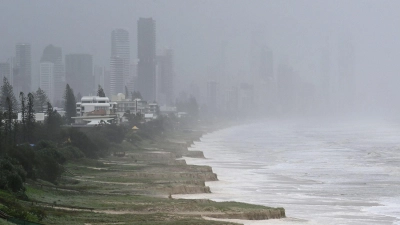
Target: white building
<point>46,81</point>
<point>39,117</point>
<point>116,75</point>
<point>92,110</point>
<point>119,61</point>
<point>126,104</point>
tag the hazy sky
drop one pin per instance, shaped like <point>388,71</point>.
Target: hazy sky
<point>295,30</point>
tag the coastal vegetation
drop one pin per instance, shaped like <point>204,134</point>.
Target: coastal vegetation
<point>56,174</point>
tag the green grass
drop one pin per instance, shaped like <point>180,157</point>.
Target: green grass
<point>75,218</point>
<point>89,194</point>
<point>4,222</point>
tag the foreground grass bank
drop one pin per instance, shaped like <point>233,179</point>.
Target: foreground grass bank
<point>136,187</point>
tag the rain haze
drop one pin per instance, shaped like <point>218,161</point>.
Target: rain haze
<point>222,40</point>
<point>293,103</point>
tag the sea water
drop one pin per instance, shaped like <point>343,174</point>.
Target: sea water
<point>331,172</point>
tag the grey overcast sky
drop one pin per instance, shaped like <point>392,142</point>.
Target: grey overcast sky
<point>295,30</point>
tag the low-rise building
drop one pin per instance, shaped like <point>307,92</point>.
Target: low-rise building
<point>39,117</point>
<point>126,105</point>
<point>167,110</point>
<point>93,110</point>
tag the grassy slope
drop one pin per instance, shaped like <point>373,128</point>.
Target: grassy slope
<point>121,190</point>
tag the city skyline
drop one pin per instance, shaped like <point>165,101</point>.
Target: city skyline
<point>120,57</point>
<point>146,67</point>
<point>206,47</point>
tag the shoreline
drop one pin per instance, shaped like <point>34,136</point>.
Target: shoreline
<point>212,195</point>
<point>220,195</point>
<point>141,185</point>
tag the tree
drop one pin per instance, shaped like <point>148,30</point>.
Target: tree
<point>52,122</point>
<point>135,119</point>
<point>193,108</point>
<point>70,104</point>
<point>9,122</point>
<point>22,99</point>
<point>78,97</point>
<point>48,161</point>
<point>1,134</point>
<point>7,92</point>
<point>30,118</point>
<point>136,94</point>
<point>100,92</point>
<point>40,98</point>
<point>12,175</point>
<point>83,142</point>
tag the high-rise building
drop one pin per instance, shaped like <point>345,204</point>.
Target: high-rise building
<point>233,101</point>
<point>165,65</point>
<point>266,64</point>
<point>133,78</point>
<point>116,75</point>
<point>246,98</point>
<point>212,96</point>
<point>52,54</point>
<point>120,44</point>
<point>264,87</point>
<point>107,82</point>
<point>79,73</point>
<point>99,76</point>
<point>23,66</point>
<point>120,49</point>
<point>47,79</point>
<point>286,85</point>
<point>147,58</point>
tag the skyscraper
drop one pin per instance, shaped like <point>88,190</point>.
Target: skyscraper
<point>54,74</point>
<point>99,76</point>
<point>147,58</point>
<point>264,87</point>
<point>212,96</point>
<point>266,64</point>
<point>120,44</point>
<point>79,73</point>
<point>286,84</point>
<point>51,54</point>
<point>47,79</point>
<point>165,64</point>
<point>23,67</point>
<point>120,49</point>
<point>116,75</point>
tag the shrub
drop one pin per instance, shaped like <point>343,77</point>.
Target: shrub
<point>25,155</point>
<point>48,162</point>
<point>133,137</point>
<point>12,175</point>
<point>70,152</point>
<point>81,141</point>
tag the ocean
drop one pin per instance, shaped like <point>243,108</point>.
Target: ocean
<point>321,172</point>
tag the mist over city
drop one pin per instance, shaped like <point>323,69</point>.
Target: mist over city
<point>284,57</point>
<point>200,112</point>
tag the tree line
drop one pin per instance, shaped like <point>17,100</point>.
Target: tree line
<point>38,150</point>
<point>32,150</point>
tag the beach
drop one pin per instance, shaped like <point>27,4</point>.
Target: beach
<point>321,173</point>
